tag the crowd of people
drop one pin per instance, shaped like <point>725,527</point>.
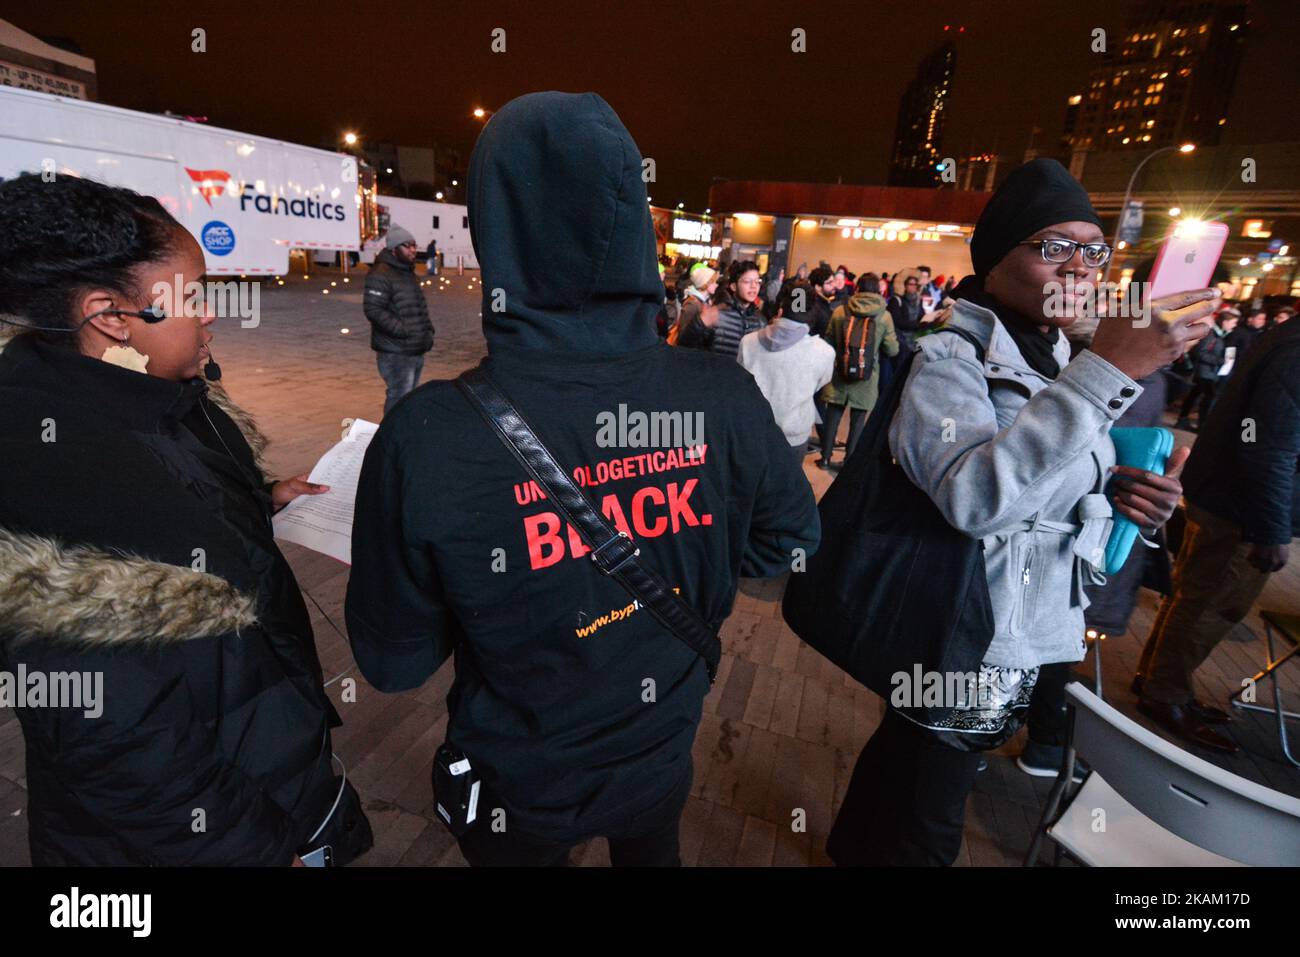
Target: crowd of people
<point>868,321</point>
<point>573,707</point>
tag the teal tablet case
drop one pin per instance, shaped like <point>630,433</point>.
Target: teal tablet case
<point>1147,449</point>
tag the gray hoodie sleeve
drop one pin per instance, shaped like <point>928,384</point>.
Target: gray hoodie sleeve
<point>983,478</point>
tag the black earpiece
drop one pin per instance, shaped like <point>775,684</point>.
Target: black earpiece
<point>149,314</point>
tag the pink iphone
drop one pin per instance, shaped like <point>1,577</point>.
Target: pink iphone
<point>1187,258</point>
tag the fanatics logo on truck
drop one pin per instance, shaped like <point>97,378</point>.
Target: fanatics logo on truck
<point>212,182</point>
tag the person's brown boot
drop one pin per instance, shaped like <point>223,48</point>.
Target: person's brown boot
<point>1180,721</point>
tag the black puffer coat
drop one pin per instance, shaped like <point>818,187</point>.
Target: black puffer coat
<point>1245,465</point>
<point>395,306</point>
<point>136,544</point>
<point>1208,356</point>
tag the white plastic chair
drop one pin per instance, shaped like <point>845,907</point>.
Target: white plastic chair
<point>1148,803</point>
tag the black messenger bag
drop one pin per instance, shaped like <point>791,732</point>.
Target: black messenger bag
<point>893,589</point>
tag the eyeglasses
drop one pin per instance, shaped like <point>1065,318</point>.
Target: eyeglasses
<point>1059,251</point>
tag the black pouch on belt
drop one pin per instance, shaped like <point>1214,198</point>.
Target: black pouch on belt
<point>455,790</point>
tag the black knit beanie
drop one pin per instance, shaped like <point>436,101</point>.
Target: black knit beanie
<point>1038,194</point>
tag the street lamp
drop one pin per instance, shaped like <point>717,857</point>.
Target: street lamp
<point>481,114</point>
<point>350,139</point>
<point>1128,194</point>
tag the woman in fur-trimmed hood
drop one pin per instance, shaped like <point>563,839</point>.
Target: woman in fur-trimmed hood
<point>136,546</point>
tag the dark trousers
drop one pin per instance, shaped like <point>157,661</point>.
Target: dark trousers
<point>649,839</point>
<point>1202,389</point>
<point>1214,587</point>
<point>832,415</point>
<point>1046,715</point>
<point>906,802</point>
<point>401,374</point>
<point>820,406</point>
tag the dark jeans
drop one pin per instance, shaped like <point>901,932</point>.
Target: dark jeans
<point>820,406</point>
<point>1202,389</point>
<point>906,802</point>
<point>1046,715</point>
<point>649,839</point>
<point>832,415</point>
<point>401,374</point>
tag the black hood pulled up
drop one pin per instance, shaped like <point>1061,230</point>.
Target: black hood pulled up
<point>560,224</point>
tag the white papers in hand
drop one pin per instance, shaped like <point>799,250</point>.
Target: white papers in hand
<point>323,522</point>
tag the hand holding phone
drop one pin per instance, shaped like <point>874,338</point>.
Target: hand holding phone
<point>1139,349</point>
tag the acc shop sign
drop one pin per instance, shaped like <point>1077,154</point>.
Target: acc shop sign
<point>218,238</point>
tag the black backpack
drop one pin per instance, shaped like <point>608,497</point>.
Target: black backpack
<point>858,359</point>
<point>893,586</point>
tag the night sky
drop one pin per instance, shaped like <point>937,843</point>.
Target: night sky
<point>707,89</point>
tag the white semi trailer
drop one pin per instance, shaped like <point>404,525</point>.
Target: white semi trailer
<point>247,199</point>
<point>446,222</point>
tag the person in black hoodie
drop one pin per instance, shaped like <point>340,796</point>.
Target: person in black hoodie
<point>136,544</point>
<point>578,709</point>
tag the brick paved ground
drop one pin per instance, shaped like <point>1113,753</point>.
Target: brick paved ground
<point>781,728</point>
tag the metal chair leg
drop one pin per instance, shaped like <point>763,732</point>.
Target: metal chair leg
<point>1096,661</point>
<point>1063,780</point>
<point>1269,672</point>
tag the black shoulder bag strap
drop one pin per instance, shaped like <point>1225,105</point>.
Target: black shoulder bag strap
<point>613,552</point>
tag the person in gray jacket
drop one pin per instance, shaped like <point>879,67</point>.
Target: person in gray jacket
<point>1013,448</point>
<point>400,330</point>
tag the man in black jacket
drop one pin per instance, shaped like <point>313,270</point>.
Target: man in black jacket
<point>400,331</point>
<point>823,301</point>
<point>575,705</point>
<point>1242,512</point>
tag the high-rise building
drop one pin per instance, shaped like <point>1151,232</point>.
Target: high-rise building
<point>919,133</point>
<point>1168,79</point>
